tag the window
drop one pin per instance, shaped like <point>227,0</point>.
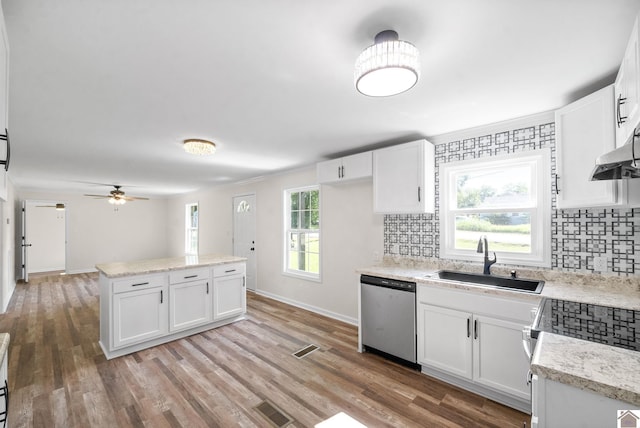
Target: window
<point>191,229</point>
<point>505,198</point>
<point>302,232</point>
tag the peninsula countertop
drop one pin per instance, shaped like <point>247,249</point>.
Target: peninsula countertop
<point>138,267</point>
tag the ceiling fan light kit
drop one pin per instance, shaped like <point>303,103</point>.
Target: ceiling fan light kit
<point>197,146</point>
<point>388,67</point>
<point>117,196</point>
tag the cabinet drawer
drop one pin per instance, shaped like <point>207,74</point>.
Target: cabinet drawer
<point>185,275</point>
<point>477,303</point>
<point>138,283</point>
<point>228,269</point>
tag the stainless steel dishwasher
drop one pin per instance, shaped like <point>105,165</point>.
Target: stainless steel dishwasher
<point>388,317</point>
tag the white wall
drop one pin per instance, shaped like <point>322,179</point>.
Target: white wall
<point>7,248</point>
<point>98,234</point>
<point>351,234</point>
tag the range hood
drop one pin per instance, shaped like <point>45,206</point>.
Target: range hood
<point>623,162</point>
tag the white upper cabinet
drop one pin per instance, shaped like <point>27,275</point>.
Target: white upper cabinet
<point>627,90</point>
<point>345,169</point>
<point>584,131</point>
<point>403,178</point>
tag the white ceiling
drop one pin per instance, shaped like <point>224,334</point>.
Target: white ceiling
<point>105,91</point>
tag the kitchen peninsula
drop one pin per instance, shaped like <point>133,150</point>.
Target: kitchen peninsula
<point>150,302</point>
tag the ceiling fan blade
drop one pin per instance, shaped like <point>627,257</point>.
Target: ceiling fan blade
<point>136,198</point>
<point>45,206</point>
<point>99,196</point>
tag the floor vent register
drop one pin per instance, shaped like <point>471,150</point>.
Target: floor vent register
<point>273,414</point>
<point>305,351</point>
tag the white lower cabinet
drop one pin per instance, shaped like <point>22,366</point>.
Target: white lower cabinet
<point>499,361</point>
<point>4,390</point>
<point>189,304</point>
<point>229,293</point>
<point>443,340</point>
<point>556,404</point>
<point>475,341</point>
<point>145,310</point>
<point>139,315</point>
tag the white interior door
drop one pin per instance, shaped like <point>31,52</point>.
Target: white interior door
<point>244,234</point>
<point>43,238</point>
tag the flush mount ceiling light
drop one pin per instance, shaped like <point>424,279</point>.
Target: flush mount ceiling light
<point>196,146</point>
<point>388,67</point>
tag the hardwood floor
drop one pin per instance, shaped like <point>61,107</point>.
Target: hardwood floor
<point>58,376</point>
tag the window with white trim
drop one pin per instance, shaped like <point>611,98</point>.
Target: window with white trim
<point>302,232</point>
<point>191,229</point>
<point>505,198</point>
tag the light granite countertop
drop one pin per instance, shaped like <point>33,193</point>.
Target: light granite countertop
<point>4,346</point>
<point>604,290</point>
<point>606,370</point>
<point>119,269</point>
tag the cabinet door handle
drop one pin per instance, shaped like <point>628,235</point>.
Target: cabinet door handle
<point>161,296</point>
<point>557,188</point>
<point>140,283</point>
<point>619,118</point>
<point>342,169</point>
<point>469,327</point>
<point>207,288</point>
<point>229,271</point>
<point>243,282</point>
<point>419,194</point>
<point>475,329</point>
<point>190,276</point>
<point>5,415</point>
<point>339,173</point>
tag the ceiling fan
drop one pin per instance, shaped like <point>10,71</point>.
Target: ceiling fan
<point>117,196</point>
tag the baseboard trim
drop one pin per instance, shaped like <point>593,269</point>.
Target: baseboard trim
<point>317,310</point>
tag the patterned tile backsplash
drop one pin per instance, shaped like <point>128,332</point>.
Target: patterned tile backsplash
<point>612,326</point>
<point>577,235</point>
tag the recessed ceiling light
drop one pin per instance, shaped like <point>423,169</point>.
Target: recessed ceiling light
<point>196,146</point>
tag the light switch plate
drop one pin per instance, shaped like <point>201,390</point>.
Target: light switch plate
<point>600,264</point>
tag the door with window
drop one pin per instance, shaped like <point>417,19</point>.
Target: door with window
<point>244,234</point>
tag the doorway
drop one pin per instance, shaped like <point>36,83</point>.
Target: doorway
<point>44,229</point>
<point>244,234</point>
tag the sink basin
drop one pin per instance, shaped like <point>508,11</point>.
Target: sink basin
<point>516,284</point>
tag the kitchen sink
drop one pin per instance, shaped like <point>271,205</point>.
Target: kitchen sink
<point>494,281</point>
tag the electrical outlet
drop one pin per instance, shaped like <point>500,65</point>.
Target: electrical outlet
<point>600,264</point>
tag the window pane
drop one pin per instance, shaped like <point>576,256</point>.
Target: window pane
<point>295,198</point>
<point>305,200</point>
<point>315,220</point>
<point>491,188</point>
<point>313,242</point>
<point>315,203</point>
<point>193,215</point>
<point>295,219</point>
<point>306,220</point>
<point>506,232</point>
<point>313,263</point>
<point>293,241</point>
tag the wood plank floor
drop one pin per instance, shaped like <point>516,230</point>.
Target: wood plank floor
<point>58,376</point>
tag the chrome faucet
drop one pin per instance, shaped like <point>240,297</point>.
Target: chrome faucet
<point>487,261</point>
